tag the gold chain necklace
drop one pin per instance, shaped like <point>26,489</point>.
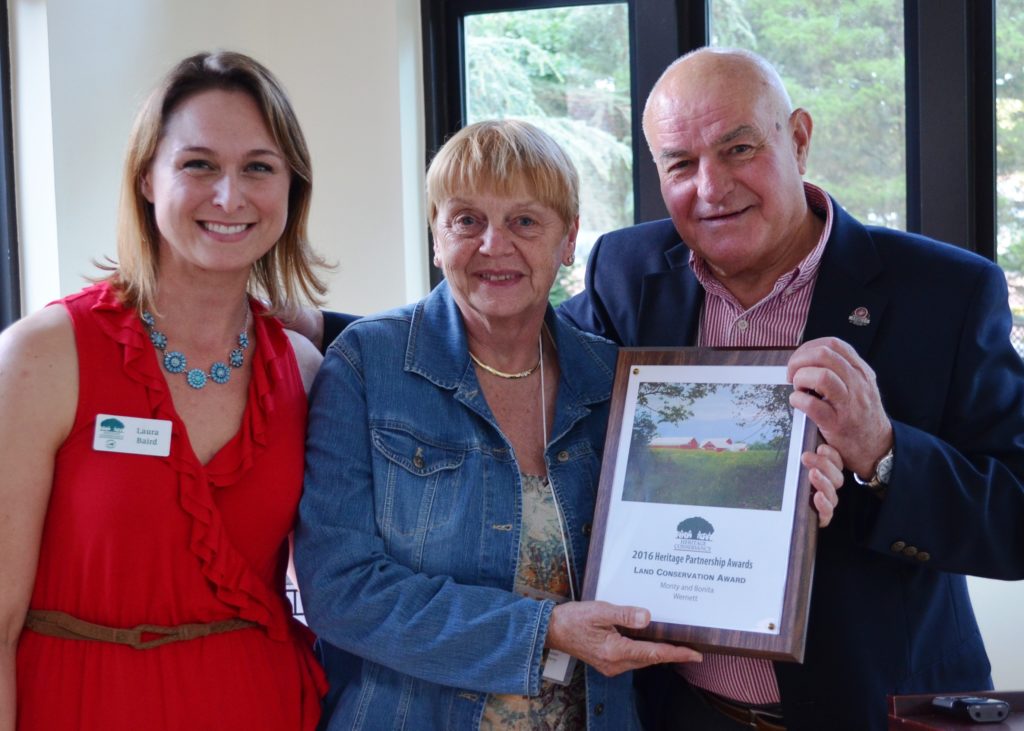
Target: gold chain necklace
<point>503,374</point>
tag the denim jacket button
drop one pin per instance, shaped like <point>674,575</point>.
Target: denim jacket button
<point>586,529</point>
<point>563,456</point>
<point>599,709</point>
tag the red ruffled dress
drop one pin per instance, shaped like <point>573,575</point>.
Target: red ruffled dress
<point>132,539</point>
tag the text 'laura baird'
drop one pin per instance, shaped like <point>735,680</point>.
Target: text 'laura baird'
<point>146,436</point>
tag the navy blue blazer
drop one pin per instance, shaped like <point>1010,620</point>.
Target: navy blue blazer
<point>890,611</point>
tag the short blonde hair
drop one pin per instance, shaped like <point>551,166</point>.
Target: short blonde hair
<point>284,274</point>
<point>504,156</point>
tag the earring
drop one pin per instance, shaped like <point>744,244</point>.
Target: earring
<point>570,260</point>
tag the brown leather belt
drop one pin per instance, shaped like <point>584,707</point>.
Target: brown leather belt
<point>749,716</point>
<point>65,626</point>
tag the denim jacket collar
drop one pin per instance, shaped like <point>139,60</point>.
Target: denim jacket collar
<point>438,350</point>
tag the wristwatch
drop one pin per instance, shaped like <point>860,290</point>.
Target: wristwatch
<point>883,470</point>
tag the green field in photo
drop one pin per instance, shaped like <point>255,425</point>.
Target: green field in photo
<point>753,479</point>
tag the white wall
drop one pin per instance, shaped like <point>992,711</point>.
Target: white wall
<point>999,605</point>
<point>352,69</point>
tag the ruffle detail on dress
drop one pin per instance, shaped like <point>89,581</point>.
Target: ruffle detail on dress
<point>233,580</point>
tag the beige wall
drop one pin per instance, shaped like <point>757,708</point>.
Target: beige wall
<point>352,69</point>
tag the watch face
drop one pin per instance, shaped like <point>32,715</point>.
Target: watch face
<point>885,468</point>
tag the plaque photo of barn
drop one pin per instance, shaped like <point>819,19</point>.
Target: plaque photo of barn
<point>710,444</point>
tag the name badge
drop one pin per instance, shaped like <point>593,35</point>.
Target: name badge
<point>132,435</point>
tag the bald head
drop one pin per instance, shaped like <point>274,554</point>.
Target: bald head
<point>731,154</point>
<point>706,72</point>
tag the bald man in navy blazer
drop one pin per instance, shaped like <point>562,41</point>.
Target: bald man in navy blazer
<point>904,362</point>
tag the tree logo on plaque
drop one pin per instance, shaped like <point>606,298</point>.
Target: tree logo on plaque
<point>694,534</point>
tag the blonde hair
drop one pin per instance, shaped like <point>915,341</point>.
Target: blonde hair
<point>504,156</point>
<point>286,273</point>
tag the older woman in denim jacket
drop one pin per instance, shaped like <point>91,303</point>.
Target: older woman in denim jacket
<point>452,461</point>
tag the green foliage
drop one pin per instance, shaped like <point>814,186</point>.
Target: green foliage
<point>1010,140</point>
<point>752,480</point>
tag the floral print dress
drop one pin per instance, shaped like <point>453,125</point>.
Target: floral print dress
<point>541,571</point>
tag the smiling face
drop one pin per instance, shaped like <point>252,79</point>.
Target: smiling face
<point>500,254</point>
<point>730,158</point>
<point>218,184</point>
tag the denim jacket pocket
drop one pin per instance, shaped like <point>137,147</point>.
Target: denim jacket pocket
<point>422,478</point>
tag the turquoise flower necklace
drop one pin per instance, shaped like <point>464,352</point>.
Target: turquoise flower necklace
<point>176,362</point>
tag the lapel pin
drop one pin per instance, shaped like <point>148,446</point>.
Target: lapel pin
<point>860,317</point>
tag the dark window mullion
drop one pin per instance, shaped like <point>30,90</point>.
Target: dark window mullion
<point>10,275</point>
<point>660,32</point>
<point>983,126</point>
<point>951,121</point>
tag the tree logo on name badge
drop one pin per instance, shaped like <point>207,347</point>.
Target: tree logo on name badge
<point>111,428</point>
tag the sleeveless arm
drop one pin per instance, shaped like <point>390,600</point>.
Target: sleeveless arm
<point>39,393</point>
<point>307,357</point>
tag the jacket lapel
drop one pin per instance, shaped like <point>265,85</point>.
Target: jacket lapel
<point>843,306</point>
<point>670,303</point>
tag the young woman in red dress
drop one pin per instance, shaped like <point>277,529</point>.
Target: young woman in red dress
<point>152,432</point>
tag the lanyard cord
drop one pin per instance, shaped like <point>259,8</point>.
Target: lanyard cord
<point>554,498</point>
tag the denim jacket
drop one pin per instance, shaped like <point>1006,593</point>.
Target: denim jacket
<point>408,536</point>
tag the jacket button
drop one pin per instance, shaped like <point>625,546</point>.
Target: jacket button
<point>563,456</point>
<point>587,527</point>
<point>599,709</point>
<point>897,546</point>
<point>418,462</point>
<point>910,551</point>
<point>923,556</point>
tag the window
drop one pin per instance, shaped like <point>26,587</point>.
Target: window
<point>853,86</point>
<point>901,91</point>
<point>1009,84</point>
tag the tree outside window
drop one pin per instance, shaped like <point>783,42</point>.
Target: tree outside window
<point>1010,155</point>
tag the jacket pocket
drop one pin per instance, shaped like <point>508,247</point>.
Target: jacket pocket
<point>422,478</point>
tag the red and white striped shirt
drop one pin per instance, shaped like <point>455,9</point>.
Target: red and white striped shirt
<point>777,321</point>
